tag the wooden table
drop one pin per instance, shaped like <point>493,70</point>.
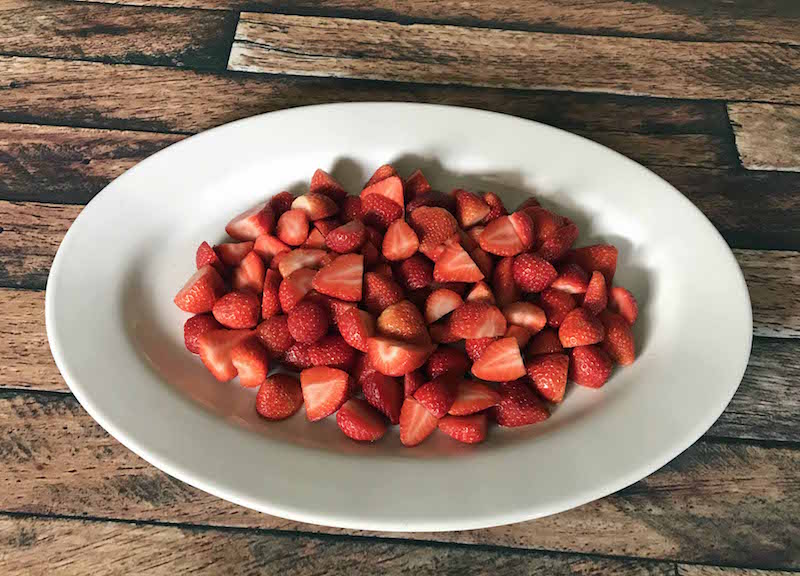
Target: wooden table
<point>706,94</point>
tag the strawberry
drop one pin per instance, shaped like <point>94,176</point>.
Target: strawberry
<point>391,188</point>
<point>324,391</point>
<point>308,321</point>
<point>361,370</point>
<point>347,238</point>
<point>400,241</point>
<point>523,226</point>
<point>496,208</point>
<point>618,343</point>
<point>380,211</point>
<point>483,260</point>
<point>315,240</point>
<point>440,303</point>
<point>333,351</point>
<point>447,360</point>
<point>415,272</point>
<point>324,183</point>
<point>477,346</point>
<point>623,302</point>
<point>356,327</point>
<point>342,278</point>
<point>370,253</point>
<point>474,234</point>
<point>466,241</point>
<point>382,268</point>
<point>292,228</point>
<point>530,202</point>
<point>270,300</point>
<point>250,273</point>
<point>359,421</point>
<point>416,423</point>
<point>600,257</point>
<point>525,314</point>
<point>433,199</point>
<point>596,296</point>
<point>470,209</point>
<point>590,366</point>
<point>532,273</point>
<point>352,209</point>
<point>327,225</point>
<point>478,320</point>
<point>251,362</point>
<point>468,429</point>
<point>238,310</point>
<point>520,334</point>
<point>545,342</point>
<point>501,361</point>
<point>412,381</point>
<point>548,373</point>
<point>206,255</point>
<point>279,397</point>
<point>385,394</point>
<point>274,335</point>
<point>556,244</point>
<point>395,357</point>
<point>438,395</point>
<point>442,331</point>
<point>380,292</point>
<point>268,246</point>
<point>296,357</point>
<point>571,279</point>
<point>280,203</point>
<point>288,262</point>
<point>519,406</point>
<point>505,289</point>
<point>215,351</point>
<point>500,236</point>
<point>434,226</point>
<point>556,305</point>
<point>338,307</point>
<point>545,223</point>
<point>231,253</point>
<point>403,321</point>
<point>316,206</point>
<point>201,291</point>
<point>455,265</point>
<point>252,223</point>
<point>415,185</point>
<point>195,327</point>
<point>480,293</point>
<point>580,328</point>
<point>473,396</point>
<point>382,173</point>
<point>294,287</point>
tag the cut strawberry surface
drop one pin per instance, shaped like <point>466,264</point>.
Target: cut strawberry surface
<point>231,253</point>
<point>342,278</point>
<point>468,429</point>
<point>252,223</point>
<point>455,265</point>
<point>356,327</point>
<point>399,242</point>
<point>525,314</point>
<point>600,257</point>
<point>347,237</point>
<point>359,421</point>
<point>500,238</point>
<point>624,303</point>
<point>279,397</point>
<point>548,374</point>
<point>440,303</point>
<point>416,423</point>
<point>250,273</point>
<point>251,362</point>
<point>391,188</point>
<point>315,206</point>
<point>382,173</point>
<point>500,362</point>
<point>481,293</point>
<point>288,262</point>
<point>470,209</point>
<point>478,320</point>
<point>268,246</point>
<point>385,394</point>
<point>395,357</point>
<point>473,396</point>
<point>294,287</point>
<point>324,391</point>
<point>315,240</point>
<point>292,227</point>
<point>215,351</point>
<point>201,291</point>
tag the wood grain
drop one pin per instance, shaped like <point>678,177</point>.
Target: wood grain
<point>130,34</point>
<point>696,570</point>
<point>767,136</point>
<point>54,459</point>
<point>771,277</point>
<point>437,54</point>
<point>74,546</point>
<point>757,20</point>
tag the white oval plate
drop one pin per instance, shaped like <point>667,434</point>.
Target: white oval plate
<point>117,337</point>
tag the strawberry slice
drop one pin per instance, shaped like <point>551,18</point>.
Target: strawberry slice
<point>601,257</point>
<point>559,242</point>
<point>623,302</point>
<point>315,240</point>
<point>400,241</point>
<point>296,357</point>
<point>571,279</point>
<point>356,327</point>
<point>532,273</point>
<point>238,310</point>
<point>294,287</point>
<point>438,395</point>
<point>250,274</point>
<point>300,258</point>
<point>478,320</point>
<point>474,234</point>
<point>308,321</point>
<point>395,357</point>
<point>500,362</point>
<point>434,226</point>
<point>525,314</point>
<point>251,362</point>
<point>434,198</point>
<point>412,381</point>
<point>201,291</point>
<point>529,203</point>
<point>548,373</point>
<point>359,421</point>
<point>352,209</point>
<point>215,351</point>
<point>440,303</point>
<point>556,305</point>
<point>545,223</point>
<point>279,397</point>
<point>580,328</point>
<point>280,203</point>
<point>442,331</point>
<point>523,226</point>
<point>342,278</point>
<point>415,185</point>
<point>382,173</point>
<point>520,334</point>
<point>590,366</point>
<point>268,246</point>
<point>470,209</point>
<point>195,327</point>
<point>379,211</point>
<point>481,293</point>
<point>416,423</point>
<point>391,188</point>
<point>545,342</point>
<point>347,237</point>
<point>403,321</point>
<point>496,207</point>
<point>483,260</point>
<point>473,396</point>
<point>385,394</point>
<point>324,391</point>
<point>316,206</point>
<point>500,238</point>
<point>618,343</point>
<point>468,429</point>
<point>274,335</point>
<point>455,265</point>
<point>252,223</point>
<point>292,228</point>
<point>477,346</point>
<point>505,289</point>
<point>231,253</point>
<point>370,253</point>
<point>447,360</point>
<point>327,225</point>
<point>333,351</point>
<point>519,406</point>
<point>380,292</point>
<point>361,371</point>
<point>206,255</point>
<point>596,297</point>
<point>324,183</point>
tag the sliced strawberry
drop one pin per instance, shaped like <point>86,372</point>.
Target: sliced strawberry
<point>274,335</point>
<point>473,396</point>
<point>270,300</point>
<point>342,278</point>
<point>324,183</point>
<point>470,209</point>
<point>338,307</point>
<point>385,394</point>
<point>548,373</point>
<point>559,242</point>
<point>280,203</point>
<point>525,314</point>
<point>530,202</point>
<point>238,310</point>
<point>519,406</point>
<point>442,331</point>
<point>400,241</point>
<point>580,328</point>
<point>361,370</point>
<point>478,320</point>
<point>556,305</point>
<point>391,188</point>
<point>268,247</point>
<point>315,240</point>
<point>294,287</point>
<point>195,327</point>
<point>352,209</point>
<point>250,273</point>
<point>500,237</point>
<point>474,234</point>
<point>395,357</point>
<point>403,321</point>
<point>468,429</point>
<point>379,211</point>
<point>383,268</point>
<point>545,223</point>
<point>356,327</point>
<point>251,362</point>
<point>252,223</point>
<point>416,423</point>
<point>412,381</point>
<point>447,360</point>
<point>596,297</point>
<point>481,293</point>
<point>231,253</point>
<point>292,228</point>
<point>308,321</point>
<point>296,357</point>
<point>438,395</point>
<point>206,255</point>
<point>288,262</point>
<point>505,289</point>
<point>279,397</point>
<point>545,342</point>
<point>523,226</point>
<point>532,273</point>
<point>483,260</point>
<point>380,292</point>
<point>623,302</point>
<point>440,303</point>
<point>370,254</point>
<point>215,351</point>
<point>455,265</point>
<point>433,199</point>
<point>466,241</point>
<point>359,421</point>
<point>475,347</point>
<point>327,225</point>
<point>347,238</point>
<point>415,185</point>
<point>201,291</point>
<point>333,351</point>
<point>415,272</point>
<point>315,206</point>
<point>434,226</point>
<point>618,343</point>
<point>590,366</point>
<point>324,391</point>
<point>500,362</point>
<point>382,173</point>
<point>518,333</point>
<point>601,257</point>
<point>496,207</point>
<point>571,279</point>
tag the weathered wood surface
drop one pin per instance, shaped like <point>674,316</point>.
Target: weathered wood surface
<point>767,136</point>
<point>772,278</point>
<point>697,570</point>
<point>56,460</point>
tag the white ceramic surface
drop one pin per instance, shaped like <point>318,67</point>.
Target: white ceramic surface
<point>117,337</point>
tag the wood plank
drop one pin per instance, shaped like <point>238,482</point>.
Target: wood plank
<point>756,20</point>
<point>98,547</point>
<point>129,34</point>
<point>767,136</point>
<point>269,43</point>
<point>771,277</point>
<point>54,459</point>
<point>697,570</point>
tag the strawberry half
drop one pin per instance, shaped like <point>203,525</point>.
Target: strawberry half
<point>548,373</point>
<point>251,362</point>
<point>415,185</point>
<point>455,265</point>
<point>477,320</point>
<point>496,207</point>
<point>315,240</point>
<point>557,244</point>
<point>359,421</point>
<point>519,406</point>
<point>416,423</point>
<point>380,292</point>
<point>532,273</point>
<point>500,238</point>
<point>600,257</point>
<point>473,396</point>
<point>274,335</point>
<point>618,343</point>
<point>231,253</point>
<point>571,279</point>
<point>395,357</point>
<point>556,305</point>
<point>590,366</point>
<point>468,429</point>
<point>294,287</point>
<point>434,226</point>
<point>481,293</point>
<point>379,211</point>
<point>500,362</point>
<point>518,333</point>
<point>382,173</point>
<point>475,347</point>
<point>292,228</point>
<point>545,342</point>
<point>440,303</point>
<point>296,357</point>
<point>580,328</point>
<point>623,302</point>
<point>288,262</point>
<point>252,223</point>
<point>385,394</point>
<point>438,395</point>
<point>447,360</point>
<point>356,327</point>
<point>399,242</point>
<point>195,327</point>
<point>525,314</point>
<point>403,321</point>
<point>250,273</point>
<point>347,238</point>
<point>201,291</point>
<point>415,272</point>
<point>279,397</point>
<point>390,188</point>
<point>342,278</point>
<point>215,351</point>
<point>238,310</point>
<point>505,289</point>
<point>315,206</point>
<point>412,381</point>
<point>324,183</point>
<point>470,209</point>
<point>268,247</point>
<point>281,202</point>
<point>596,297</point>
<point>332,350</point>
<point>324,391</point>
<point>308,321</point>
<point>206,255</point>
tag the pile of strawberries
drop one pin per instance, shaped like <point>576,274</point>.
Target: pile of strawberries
<point>384,301</point>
